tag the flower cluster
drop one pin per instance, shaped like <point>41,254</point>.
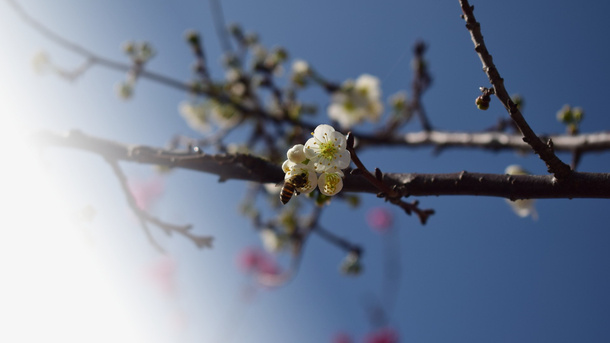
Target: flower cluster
<point>356,101</point>
<point>139,53</point>
<point>319,162</point>
<point>571,117</point>
<point>200,115</point>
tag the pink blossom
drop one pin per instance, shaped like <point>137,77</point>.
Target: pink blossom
<point>385,335</point>
<point>342,337</point>
<point>146,192</point>
<point>379,219</point>
<point>162,273</point>
<point>253,260</point>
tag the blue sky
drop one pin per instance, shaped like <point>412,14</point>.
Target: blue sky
<point>475,272</point>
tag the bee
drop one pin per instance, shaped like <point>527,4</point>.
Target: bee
<point>291,185</point>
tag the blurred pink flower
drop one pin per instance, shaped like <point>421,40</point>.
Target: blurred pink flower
<point>342,337</point>
<point>162,273</point>
<point>146,192</point>
<point>385,335</point>
<point>379,219</point>
<point>253,260</point>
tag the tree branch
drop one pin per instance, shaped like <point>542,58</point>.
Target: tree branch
<point>495,141</point>
<point>544,150</point>
<point>252,168</point>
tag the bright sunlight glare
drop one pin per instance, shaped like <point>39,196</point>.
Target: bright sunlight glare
<point>54,287</point>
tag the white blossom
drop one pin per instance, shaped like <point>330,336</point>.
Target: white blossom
<point>331,183</point>
<point>300,67</point>
<point>356,101</point>
<point>271,242</point>
<point>321,159</point>
<point>234,148</point>
<point>521,207</point>
<point>232,75</point>
<point>138,52</point>
<point>225,116</point>
<point>197,115</point>
<point>327,150</point>
<point>238,89</point>
<point>291,169</point>
<point>296,154</point>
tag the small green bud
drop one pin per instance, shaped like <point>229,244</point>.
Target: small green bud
<point>124,90</point>
<point>399,101</point>
<point>578,114</point>
<point>192,37</point>
<point>281,54</point>
<point>129,48</point>
<point>482,102</point>
<point>565,114</point>
<point>236,30</point>
<point>251,38</point>
<point>146,51</point>
<point>230,60</point>
<point>351,264</point>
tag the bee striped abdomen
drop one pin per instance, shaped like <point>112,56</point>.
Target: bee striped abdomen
<point>291,185</point>
<point>287,192</point>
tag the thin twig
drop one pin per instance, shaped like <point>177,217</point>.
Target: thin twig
<point>220,26</point>
<point>131,201</point>
<point>421,82</point>
<point>336,240</point>
<point>145,217</point>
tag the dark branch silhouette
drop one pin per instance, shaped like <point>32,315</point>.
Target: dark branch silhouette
<point>252,168</point>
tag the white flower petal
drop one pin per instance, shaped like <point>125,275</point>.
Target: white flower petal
<point>287,165</point>
<point>299,168</point>
<point>330,183</point>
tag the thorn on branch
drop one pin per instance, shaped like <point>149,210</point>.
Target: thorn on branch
<point>378,174</point>
<point>390,194</point>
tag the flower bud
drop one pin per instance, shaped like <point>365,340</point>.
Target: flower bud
<point>482,102</point>
<point>129,48</point>
<point>351,264</point>
<point>296,154</point>
<point>192,37</point>
<point>578,114</point>
<point>565,115</point>
<point>124,90</point>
